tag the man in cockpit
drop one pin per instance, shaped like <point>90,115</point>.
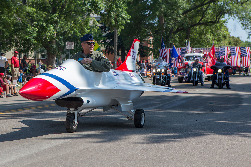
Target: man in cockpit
<point>90,59</point>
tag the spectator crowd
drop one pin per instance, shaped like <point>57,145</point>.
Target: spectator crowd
<point>15,75</point>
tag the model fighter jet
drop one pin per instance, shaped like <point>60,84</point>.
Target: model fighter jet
<point>76,88</point>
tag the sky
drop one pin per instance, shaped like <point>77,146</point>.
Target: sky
<point>235,29</point>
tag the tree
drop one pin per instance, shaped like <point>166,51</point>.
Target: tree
<point>177,21</point>
<point>245,44</point>
<point>115,16</point>
<point>8,18</point>
<point>52,21</point>
<point>49,24</point>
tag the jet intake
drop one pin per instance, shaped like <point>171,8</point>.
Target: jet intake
<point>70,102</point>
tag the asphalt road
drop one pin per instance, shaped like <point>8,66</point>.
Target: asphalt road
<point>206,127</point>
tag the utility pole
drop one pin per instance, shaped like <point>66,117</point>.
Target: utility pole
<point>115,47</point>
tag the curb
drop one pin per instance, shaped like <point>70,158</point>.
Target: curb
<point>27,108</point>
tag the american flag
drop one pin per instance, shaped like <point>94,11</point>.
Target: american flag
<point>183,51</point>
<point>163,51</point>
<point>245,54</point>
<point>178,50</point>
<point>224,52</point>
<point>217,54</point>
<point>235,56</point>
<point>168,55</point>
<point>175,56</point>
<point>177,63</point>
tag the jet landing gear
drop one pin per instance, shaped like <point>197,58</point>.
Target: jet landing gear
<point>74,110</point>
<point>72,115</point>
<point>71,123</point>
<point>73,105</point>
<point>138,116</point>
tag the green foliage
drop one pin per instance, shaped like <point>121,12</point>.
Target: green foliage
<point>46,24</point>
<point>201,22</point>
<point>245,44</point>
<point>49,24</point>
<point>8,18</point>
<point>115,15</point>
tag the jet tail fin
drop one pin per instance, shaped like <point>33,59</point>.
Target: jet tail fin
<point>130,62</point>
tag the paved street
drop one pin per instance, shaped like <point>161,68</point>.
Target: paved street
<point>206,127</point>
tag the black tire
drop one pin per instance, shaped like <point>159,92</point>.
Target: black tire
<point>220,85</point>
<point>194,82</point>
<point>168,83</point>
<point>163,82</point>
<point>154,78</point>
<point>139,118</point>
<point>180,79</point>
<point>158,81</point>
<point>70,123</point>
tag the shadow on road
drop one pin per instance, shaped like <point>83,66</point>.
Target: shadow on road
<point>169,118</point>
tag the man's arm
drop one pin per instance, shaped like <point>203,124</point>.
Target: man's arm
<point>6,64</point>
<point>76,56</point>
<point>100,63</point>
<point>102,66</point>
<point>12,64</point>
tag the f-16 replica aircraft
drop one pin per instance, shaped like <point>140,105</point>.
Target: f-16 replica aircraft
<point>76,88</point>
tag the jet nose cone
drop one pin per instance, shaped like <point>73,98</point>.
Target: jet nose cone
<point>38,89</point>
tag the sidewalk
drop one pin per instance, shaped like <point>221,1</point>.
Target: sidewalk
<point>18,103</point>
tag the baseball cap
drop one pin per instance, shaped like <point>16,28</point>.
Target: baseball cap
<point>16,52</point>
<point>86,37</point>
<point>1,74</point>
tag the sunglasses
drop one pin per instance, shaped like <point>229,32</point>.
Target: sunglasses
<point>89,43</point>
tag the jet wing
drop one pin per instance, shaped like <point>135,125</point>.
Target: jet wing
<point>148,87</point>
<point>131,87</point>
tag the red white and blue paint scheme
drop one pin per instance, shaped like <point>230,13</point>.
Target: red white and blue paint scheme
<point>76,88</point>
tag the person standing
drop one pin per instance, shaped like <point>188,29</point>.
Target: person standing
<point>90,59</point>
<point>33,69</point>
<point>15,66</point>
<point>39,66</point>
<point>24,64</point>
<point>3,63</point>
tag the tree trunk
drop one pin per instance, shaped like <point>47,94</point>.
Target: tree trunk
<point>51,53</point>
<point>115,48</point>
<point>188,34</point>
<point>51,59</point>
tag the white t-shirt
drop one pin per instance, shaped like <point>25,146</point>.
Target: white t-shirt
<point>2,61</point>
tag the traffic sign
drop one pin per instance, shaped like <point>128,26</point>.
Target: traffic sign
<point>69,45</point>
